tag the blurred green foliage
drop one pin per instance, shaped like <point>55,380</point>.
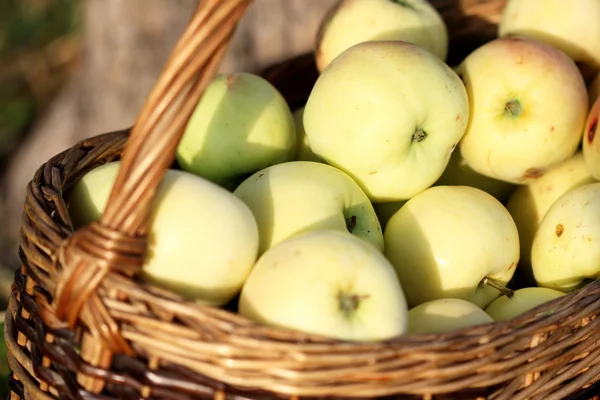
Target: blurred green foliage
<point>34,24</point>
<point>38,49</point>
<point>31,63</point>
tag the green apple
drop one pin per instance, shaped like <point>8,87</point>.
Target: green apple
<point>326,282</point>
<point>202,240</point>
<point>452,242</point>
<point>564,254</point>
<point>590,143</point>
<point>523,300</point>
<point>303,150</point>
<point>385,211</point>
<point>298,196</point>
<point>458,173</point>
<point>350,22</point>
<point>569,26</point>
<point>528,107</point>
<point>241,124</point>
<point>388,113</point>
<point>445,315</point>
<point>528,203</point>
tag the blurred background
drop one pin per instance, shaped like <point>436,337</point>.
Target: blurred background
<point>71,69</point>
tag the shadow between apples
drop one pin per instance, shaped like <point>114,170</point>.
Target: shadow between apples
<point>466,32</point>
<point>524,274</point>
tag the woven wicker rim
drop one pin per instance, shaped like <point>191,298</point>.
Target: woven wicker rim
<point>87,279</point>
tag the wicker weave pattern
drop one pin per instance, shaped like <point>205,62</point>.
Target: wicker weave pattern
<point>80,324</point>
<point>225,347</point>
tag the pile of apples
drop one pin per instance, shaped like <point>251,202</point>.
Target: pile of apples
<point>407,196</point>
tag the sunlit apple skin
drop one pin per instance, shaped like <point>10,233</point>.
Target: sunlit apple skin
<point>389,114</point>
<point>350,22</point>
<point>294,197</point>
<point>202,240</point>
<point>529,203</point>
<point>528,105</point>
<point>523,300</point>
<point>240,125</point>
<point>572,28</point>
<point>326,282</point>
<point>446,240</point>
<point>565,253</point>
<point>445,315</point>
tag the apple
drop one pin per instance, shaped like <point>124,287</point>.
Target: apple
<point>590,144</point>
<point>385,211</point>
<point>241,124</point>
<point>329,283</point>
<point>528,203</point>
<point>528,106</point>
<point>564,254</point>
<point>523,300</point>
<point>389,114</point>
<point>350,22</point>
<point>458,173</point>
<point>445,315</point>
<point>452,242</point>
<point>202,240</point>
<point>303,150</point>
<point>298,196</point>
<point>571,27</point>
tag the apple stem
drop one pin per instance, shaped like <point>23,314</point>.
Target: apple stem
<point>349,303</point>
<point>513,108</point>
<point>419,135</point>
<point>498,286</point>
<point>351,223</point>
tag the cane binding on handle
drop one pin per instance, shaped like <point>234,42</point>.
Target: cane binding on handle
<point>131,340</point>
<point>117,243</point>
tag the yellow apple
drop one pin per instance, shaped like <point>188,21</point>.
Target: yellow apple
<point>240,125</point>
<point>298,196</point>
<point>458,173</point>
<point>528,203</point>
<point>445,315</point>
<point>528,107</point>
<point>452,242</point>
<point>565,254</point>
<point>590,142</point>
<point>525,299</point>
<point>350,22</point>
<point>203,241</point>
<point>303,150</point>
<point>388,113</point>
<point>569,26</point>
<point>326,282</point>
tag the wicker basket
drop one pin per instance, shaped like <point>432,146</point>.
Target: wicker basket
<point>80,326</point>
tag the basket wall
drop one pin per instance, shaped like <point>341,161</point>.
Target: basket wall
<point>182,351</point>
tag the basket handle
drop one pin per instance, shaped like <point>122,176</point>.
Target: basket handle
<point>117,243</point>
